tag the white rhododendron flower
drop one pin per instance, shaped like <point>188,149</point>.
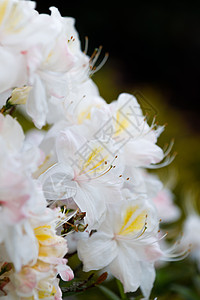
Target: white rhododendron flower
<point>22,29</point>
<point>20,196</point>
<point>127,243</point>
<point>167,210</point>
<point>37,279</point>
<point>130,124</point>
<point>43,62</point>
<point>191,236</point>
<point>87,169</point>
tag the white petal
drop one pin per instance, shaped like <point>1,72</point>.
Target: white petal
<point>11,132</point>
<point>67,145</point>
<point>57,182</point>
<point>142,152</point>
<point>147,280</point>
<point>36,104</point>
<point>90,200</point>
<point>13,69</point>
<point>127,269</point>
<point>22,239</point>
<point>97,252</point>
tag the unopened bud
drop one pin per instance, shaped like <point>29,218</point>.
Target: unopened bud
<point>81,227</point>
<point>20,95</point>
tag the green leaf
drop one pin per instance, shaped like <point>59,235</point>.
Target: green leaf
<point>121,290</point>
<point>108,293</point>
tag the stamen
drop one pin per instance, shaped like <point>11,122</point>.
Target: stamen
<point>177,256</point>
<point>102,63</point>
<point>86,45</point>
<point>77,104</point>
<point>90,171</point>
<point>93,59</point>
<point>93,54</point>
<point>103,173</point>
<point>65,217</point>
<point>169,148</point>
<point>142,231</point>
<point>166,162</point>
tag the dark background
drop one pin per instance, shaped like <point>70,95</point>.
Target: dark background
<point>149,42</point>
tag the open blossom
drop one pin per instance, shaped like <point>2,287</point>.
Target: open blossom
<point>191,236</point>
<point>167,210</point>
<point>148,184</point>
<point>124,122</point>
<point>47,68</point>
<point>130,124</point>
<point>21,29</point>
<point>21,196</point>
<point>38,279</point>
<point>85,169</point>
<point>126,243</point>
<point>39,50</point>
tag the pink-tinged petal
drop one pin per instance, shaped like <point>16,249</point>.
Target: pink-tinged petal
<point>167,210</point>
<point>25,281</point>
<point>153,252</point>
<point>61,267</point>
<point>54,260</point>
<point>14,208</point>
<point>65,272</point>
<point>58,295</point>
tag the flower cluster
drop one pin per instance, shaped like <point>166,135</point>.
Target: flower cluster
<point>90,165</point>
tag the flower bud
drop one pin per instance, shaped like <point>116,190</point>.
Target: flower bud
<point>20,95</point>
<point>81,227</point>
